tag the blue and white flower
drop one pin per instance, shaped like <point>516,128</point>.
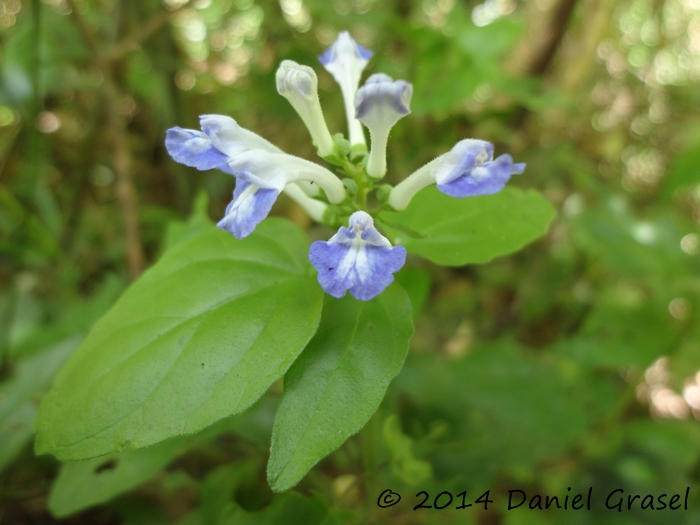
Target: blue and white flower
<point>262,171</point>
<point>468,170</point>
<point>379,104</point>
<point>260,177</point>
<point>299,85</point>
<point>220,140</point>
<point>345,60</point>
<point>358,259</point>
<point>252,201</point>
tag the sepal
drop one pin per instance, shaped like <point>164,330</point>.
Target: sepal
<point>383,193</point>
<point>342,146</point>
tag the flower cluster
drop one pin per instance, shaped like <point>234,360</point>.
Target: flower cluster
<point>358,258</point>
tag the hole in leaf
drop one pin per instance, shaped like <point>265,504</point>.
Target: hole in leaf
<point>110,464</point>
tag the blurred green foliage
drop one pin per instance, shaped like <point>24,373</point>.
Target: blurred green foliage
<point>570,364</point>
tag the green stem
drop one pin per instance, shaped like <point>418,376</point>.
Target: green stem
<point>361,198</point>
<point>364,185</point>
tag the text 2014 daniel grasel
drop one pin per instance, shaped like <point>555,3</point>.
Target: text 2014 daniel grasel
<point>616,500</point>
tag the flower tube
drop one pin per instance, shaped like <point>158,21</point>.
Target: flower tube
<point>379,104</point>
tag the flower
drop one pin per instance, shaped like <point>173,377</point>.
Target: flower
<point>299,85</point>
<point>260,177</point>
<point>379,104</point>
<point>357,258</point>
<point>281,168</point>
<point>220,140</point>
<point>252,201</point>
<point>345,60</point>
<point>468,170</point>
<point>262,171</point>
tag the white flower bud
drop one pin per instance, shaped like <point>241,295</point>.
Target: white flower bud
<point>299,85</point>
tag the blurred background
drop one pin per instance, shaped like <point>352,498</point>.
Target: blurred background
<point>573,363</point>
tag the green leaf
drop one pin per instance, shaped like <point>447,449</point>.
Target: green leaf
<point>290,509</point>
<point>507,408</point>
<point>646,250</point>
<point>404,465</point>
<point>199,337</point>
<point>455,232</point>
<point>221,484</point>
<point>39,355</point>
<point>18,396</point>
<point>74,322</point>
<point>620,332</point>
<point>199,221</point>
<point>230,495</point>
<point>672,443</point>
<point>339,380</point>
<point>83,484</point>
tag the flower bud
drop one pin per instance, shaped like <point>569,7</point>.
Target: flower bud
<point>345,60</point>
<point>299,85</point>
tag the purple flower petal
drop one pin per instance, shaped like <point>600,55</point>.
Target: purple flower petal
<point>249,207</point>
<point>358,259</point>
<point>381,94</point>
<point>476,147</point>
<point>464,165</point>
<point>193,148</point>
<point>344,44</point>
<point>473,180</point>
